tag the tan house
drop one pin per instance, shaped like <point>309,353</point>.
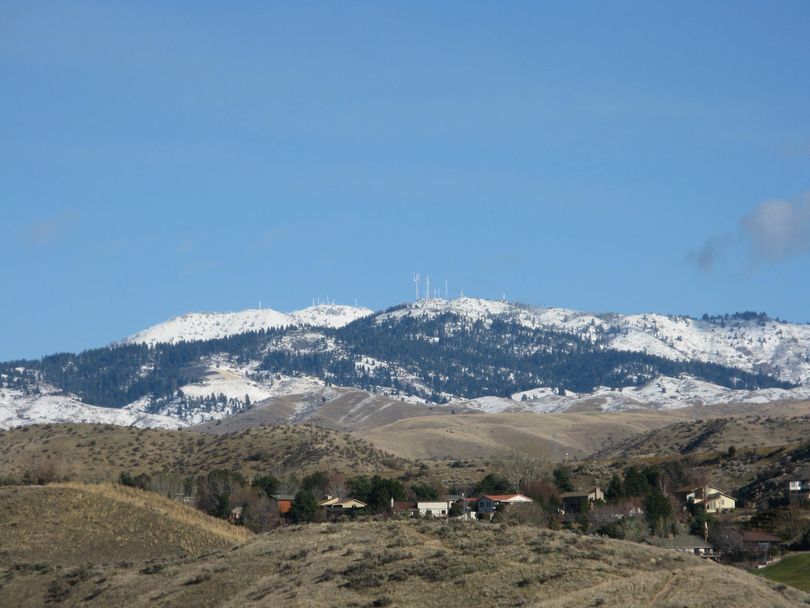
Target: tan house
<point>341,506</point>
<point>579,502</point>
<point>712,499</point>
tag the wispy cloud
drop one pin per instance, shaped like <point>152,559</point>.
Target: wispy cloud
<point>707,256</point>
<point>772,232</point>
<point>49,230</point>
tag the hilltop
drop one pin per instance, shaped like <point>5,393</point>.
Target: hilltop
<point>70,524</point>
<point>211,325</point>
<point>101,452</point>
<point>408,563</point>
<point>712,435</point>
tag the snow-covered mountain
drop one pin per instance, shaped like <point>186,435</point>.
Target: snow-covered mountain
<point>748,342</point>
<point>466,353</point>
<point>211,325</point>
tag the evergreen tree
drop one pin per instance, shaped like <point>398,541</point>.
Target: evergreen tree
<point>304,507</point>
<point>615,488</point>
<point>562,479</point>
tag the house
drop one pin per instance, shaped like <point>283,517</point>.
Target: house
<point>489,503</point>
<point>686,543</point>
<point>341,506</point>
<point>284,502</point>
<point>799,490</point>
<point>712,499</point>
<point>403,507</point>
<point>465,505</point>
<point>579,502</point>
<point>433,508</point>
<point>760,543</point>
<point>615,511</point>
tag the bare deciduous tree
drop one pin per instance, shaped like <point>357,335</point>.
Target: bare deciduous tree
<point>520,468</point>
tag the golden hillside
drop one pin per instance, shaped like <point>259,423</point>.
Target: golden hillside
<point>76,523</point>
<point>94,452</point>
<point>409,563</point>
<point>481,435</point>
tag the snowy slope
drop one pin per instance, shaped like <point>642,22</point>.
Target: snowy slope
<point>212,325</point>
<point>662,393</point>
<point>17,409</point>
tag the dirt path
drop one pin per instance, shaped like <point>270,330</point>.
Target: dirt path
<point>662,591</point>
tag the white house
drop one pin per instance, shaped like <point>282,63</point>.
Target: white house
<point>799,489</point>
<point>433,508</point>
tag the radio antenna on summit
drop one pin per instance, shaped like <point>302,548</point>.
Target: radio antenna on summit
<point>427,288</point>
<point>416,283</point>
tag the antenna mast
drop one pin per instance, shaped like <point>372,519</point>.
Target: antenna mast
<point>427,287</point>
<point>416,283</point>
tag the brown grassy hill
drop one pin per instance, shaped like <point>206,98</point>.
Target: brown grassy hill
<point>551,435</point>
<point>712,435</point>
<point>408,563</point>
<point>88,452</point>
<point>341,409</point>
<point>77,523</point>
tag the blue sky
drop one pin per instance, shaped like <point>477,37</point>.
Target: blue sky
<point>621,156</point>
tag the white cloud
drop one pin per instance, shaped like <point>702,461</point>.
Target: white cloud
<point>778,229</point>
<point>771,232</point>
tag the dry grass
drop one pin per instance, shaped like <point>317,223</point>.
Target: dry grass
<point>77,523</point>
<point>713,435</point>
<point>465,436</point>
<point>409,563</point>
<point>92,452</point>
<point>169,510</point>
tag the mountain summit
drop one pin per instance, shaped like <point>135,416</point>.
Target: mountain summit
<point>199,326</point>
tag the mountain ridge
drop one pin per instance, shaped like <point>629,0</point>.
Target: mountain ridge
<point>482,355</point>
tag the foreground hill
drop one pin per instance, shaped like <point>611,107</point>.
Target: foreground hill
<point>68,524</point>
<point>406,563</point>
<point>91,452</point>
